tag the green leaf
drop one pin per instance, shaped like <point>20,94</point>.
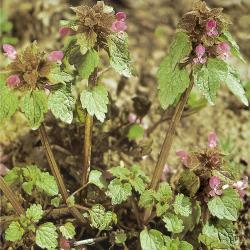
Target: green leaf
<point>173,223</point>
<point>161,208</point>
<point>120,237</point>
<point>119,54</point>
<point>62,103</point>
<point>136,131</point>
<point>46,236</point>
<point>55,201</point>
<point>12,176</point>
<point>151,239</point>
<point>226,206</point>
<point>34,212</point>
<point>34,105</point>
<point>48,184</point>
<point>57,76</point>
<point>86,42</point>
<point>138,184</point>
<point>120,172</point>
<point>235,47</point>
<point>176,244</point>
<point>96,177</point>
<point>209,76</point>
<point>172,81</point>
<point>182,205</point>
<point>88,64</point>
<point>118,191</point>
<point>14,232</point>
<point>234,84</point>
<point>164,192</point>
<point>8,103</point>
<point>68,230</point>
<point>95,101</point>
<point>220,235</point>
<point>101,219</point>
<point>189,183</point>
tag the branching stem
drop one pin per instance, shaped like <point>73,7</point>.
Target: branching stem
<point>56,172</point>
<point>88,134</point>
<point>168,143</point>
<point>11,196</point>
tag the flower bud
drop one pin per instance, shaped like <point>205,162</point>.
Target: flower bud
<point>121,16</point>
<point>65,31</point>
<point>214,182</point>
<point>10,51</point>
<point>184,156</point>
<point>55,56</point>
<point>13,81</point>
<point>223,50</point>
<point>211,27</point>
<point>119,26</point>
<point>212,140</point>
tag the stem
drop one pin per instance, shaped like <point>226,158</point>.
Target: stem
<point>11,196</point>
<point>56,172</point>
<point>168,143</point>
<point>89,241</point>
<point>88,135</point>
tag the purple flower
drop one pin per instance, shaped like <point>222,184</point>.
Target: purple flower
<point>214,183</point>
<point>200,52</point>
<point>65,31</point>
<point>223,50</point>
<point>13,81</point>
<point>119,26</point>
<point>165,171</point>
<point>211,27</point>
<point>10,51</point>
<point>55,56</point>
<point>132,117</point>
<point>212,140</point>
<point>121,16</point>
<point>240,186</point>
<point>184,156</point>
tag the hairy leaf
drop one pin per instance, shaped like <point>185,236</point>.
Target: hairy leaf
<point>95,101</point>
<point>34,105</point>
<point>172,80</point>
<point>58,76</point>
<point>119,54</point>
<point>96,177</point>
<point>46,236</point>
<point>34,212</point>
<point>182,205</point>
<point>226,206</point>
<point>88,64</point>
<point>47,183</point>
<point>234,84</point>
<point>86,42</point>
<point>8,103</point>
<point>62,103</point>
<point>118,191</point>
<point>209,76</point>
<point>101,219</point>
<point>68,230</point>
<point>173,223</point>
<point>14,232</point>
<point>147,199</point>
<point>151,239</point>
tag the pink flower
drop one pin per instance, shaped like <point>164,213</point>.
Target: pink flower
<point>165,171</point>
<point>223,50</point>
<point>10,51</point>
<point>200,52</point>
<point>121,16</point>
<point>240,186</point>
<point>119,26</point>
<point>64,244</point>
<point>211,26</point>
<point>132,118</point>
<point>212,140</point>
<point>184,156</point>
<point>65,31</point>
<point>214,183</point>
<point>13,81</point>
<point>55,56</point>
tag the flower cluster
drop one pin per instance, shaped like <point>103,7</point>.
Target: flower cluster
<point>30,67</point>
<point>119,25</point>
